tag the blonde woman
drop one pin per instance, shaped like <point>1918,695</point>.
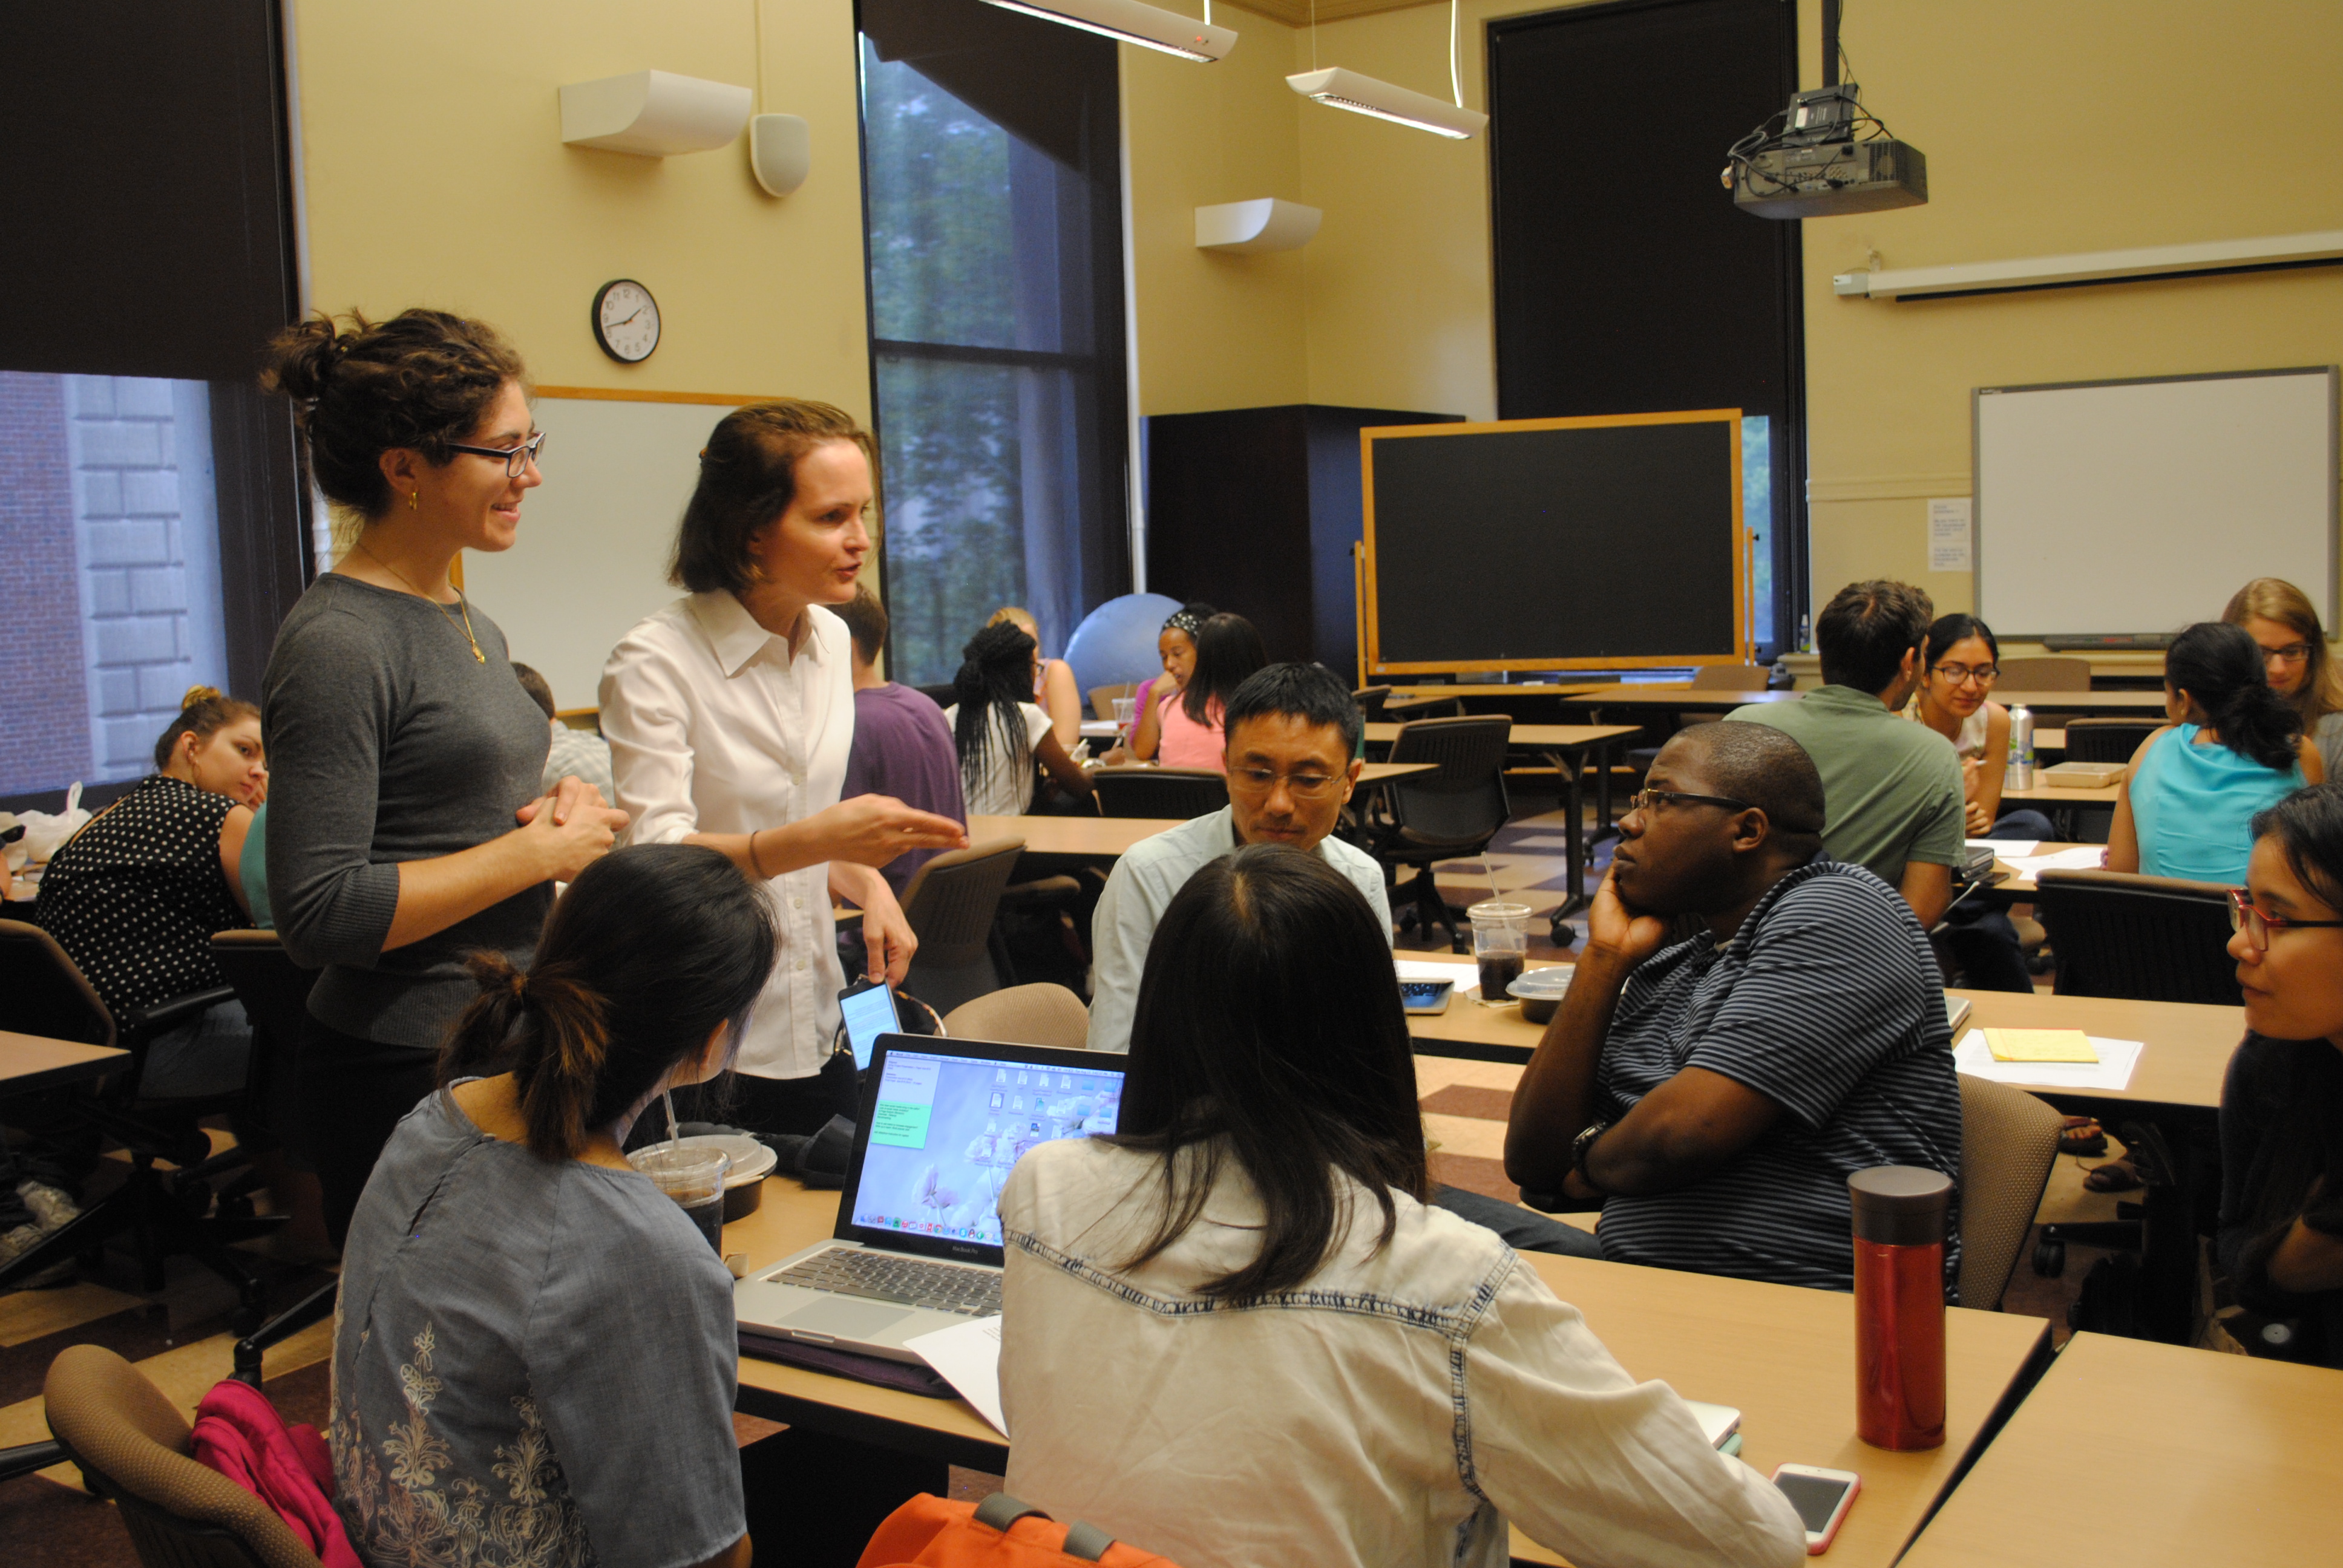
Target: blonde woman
<point>2279,616</point>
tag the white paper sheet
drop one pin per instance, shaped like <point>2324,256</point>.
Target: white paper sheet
<point>1949,535</point>
<point>1461,970</point>
<point>2111,1071</point>
<point>2005,848</point>
<point>2081,857</point>
<point>969,1356</point>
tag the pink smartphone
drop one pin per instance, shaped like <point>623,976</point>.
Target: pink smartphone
<point>1821,1498</point>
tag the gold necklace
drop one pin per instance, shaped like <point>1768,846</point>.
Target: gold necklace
<point>477,655</point>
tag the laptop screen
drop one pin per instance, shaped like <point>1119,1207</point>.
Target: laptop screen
<point>945,1128</point>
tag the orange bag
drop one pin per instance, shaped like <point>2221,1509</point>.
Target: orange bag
<point>999,1533</point>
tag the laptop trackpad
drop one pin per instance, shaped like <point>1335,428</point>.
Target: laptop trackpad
<point>845,1317</point>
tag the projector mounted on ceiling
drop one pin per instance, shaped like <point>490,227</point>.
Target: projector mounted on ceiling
<point>1825,155</point>
<point>1132,21</point>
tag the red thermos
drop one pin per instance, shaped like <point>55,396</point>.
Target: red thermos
<point>1900,1213</point>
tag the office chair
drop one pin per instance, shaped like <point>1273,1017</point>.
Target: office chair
<point>2009,1140</point>
<point>2151,939</point>
<point>1450,812</point>
<point>2106,740</point>
<point>1371,700</point>
<point>136,1450</point>
<point>44,993</point>
<point>275,991</point>
<point>1171,793</point>
<point>950,906</point>
<point>943,696</point>
<point>1024,1015</point>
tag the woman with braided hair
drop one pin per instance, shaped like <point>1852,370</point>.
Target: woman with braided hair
<point>731,716</point>
<point>999,731</point>
<point>529,1330</point>
<point>407,823</point>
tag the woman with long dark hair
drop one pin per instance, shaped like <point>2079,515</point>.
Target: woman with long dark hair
<point>407,825</point>
<point>1243,1294</point>
<point>2281,1229</point>
<point>1228,652</point>
<point>731,716</point>
<point>1962,662</point>
<point>528,1328</point>
<point>2231,747</point>
<point>999,731</point>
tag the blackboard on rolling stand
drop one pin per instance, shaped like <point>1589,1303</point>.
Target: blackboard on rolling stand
<point>1610,543</point>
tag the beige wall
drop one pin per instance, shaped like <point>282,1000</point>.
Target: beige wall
<point>435,175</point>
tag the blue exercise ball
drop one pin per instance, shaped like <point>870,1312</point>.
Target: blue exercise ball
<point>1116,642</point>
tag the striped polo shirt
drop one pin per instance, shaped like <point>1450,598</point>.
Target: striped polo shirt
<point>1828,1003</point>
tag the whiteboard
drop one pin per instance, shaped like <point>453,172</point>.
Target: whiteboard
<point>591,559</point>
<point>2126,506</point>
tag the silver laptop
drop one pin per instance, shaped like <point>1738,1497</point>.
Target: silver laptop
<point>918,1246</point>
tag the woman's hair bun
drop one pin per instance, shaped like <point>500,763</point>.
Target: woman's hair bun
<point>197,694</point>
<point>303,355</point>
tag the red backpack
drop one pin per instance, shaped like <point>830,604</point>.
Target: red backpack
<point>999,1533</point>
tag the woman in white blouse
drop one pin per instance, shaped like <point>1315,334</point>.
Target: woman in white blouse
<point>729,715</point>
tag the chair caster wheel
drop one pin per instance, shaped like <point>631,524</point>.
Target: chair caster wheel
<point>1563,933</point>
<point>2049,1258</point>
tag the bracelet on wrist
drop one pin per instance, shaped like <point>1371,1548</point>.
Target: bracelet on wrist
<point>759,866</point>
<point>1582,1146</point>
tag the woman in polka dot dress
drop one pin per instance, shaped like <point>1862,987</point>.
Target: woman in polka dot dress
<point>135,897</point>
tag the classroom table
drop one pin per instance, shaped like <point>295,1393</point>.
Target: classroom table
<point>31,1061</point>
<point>2150,1455</point>
<point>2042,793</point>
<point>1696,1332</point>
<point>1677,696</point>
<point>1076,838</point>
<point>1567,749</point>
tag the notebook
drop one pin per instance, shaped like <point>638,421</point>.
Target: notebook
<point>918,1246</point>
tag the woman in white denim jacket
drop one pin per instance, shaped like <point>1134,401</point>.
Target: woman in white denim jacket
<point>1234,1334</point>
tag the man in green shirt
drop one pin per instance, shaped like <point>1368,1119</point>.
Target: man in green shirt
<point>1890,789</point>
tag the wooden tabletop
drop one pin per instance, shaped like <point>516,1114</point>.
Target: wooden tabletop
<point>2188,1045</point>
<point>2044,793</point>
<point>31,1062</point>
<point>1677,694</point>
<point>1531,735</point>
<point>2017,884</point>
<point>2159,1454</point>
<point>1696,1332</point>
<point>1469,1028</point>
<point>1090,838</point>
<point>1499,690</point>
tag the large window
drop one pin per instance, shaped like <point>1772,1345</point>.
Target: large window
<point>151,521</point>
<point>994,201</point>
<point>1626,280</point>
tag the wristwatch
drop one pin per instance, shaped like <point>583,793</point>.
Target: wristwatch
<point>1582,1146</point>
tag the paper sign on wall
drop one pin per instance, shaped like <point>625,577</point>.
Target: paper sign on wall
<point>1948,535</point>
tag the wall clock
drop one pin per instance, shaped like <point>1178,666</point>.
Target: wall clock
<point>626,321</point>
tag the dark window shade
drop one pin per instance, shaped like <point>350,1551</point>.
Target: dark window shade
<point>1626,279</point>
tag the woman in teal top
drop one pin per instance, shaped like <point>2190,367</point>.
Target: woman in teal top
<point>2232,746</point>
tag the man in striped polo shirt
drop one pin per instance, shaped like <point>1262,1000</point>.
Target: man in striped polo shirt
<point>1713,1095</point>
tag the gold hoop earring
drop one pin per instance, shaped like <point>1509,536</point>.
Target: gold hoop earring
<point>415,500</point>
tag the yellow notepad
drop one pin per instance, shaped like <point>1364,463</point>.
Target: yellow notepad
<point>2039,1045</point>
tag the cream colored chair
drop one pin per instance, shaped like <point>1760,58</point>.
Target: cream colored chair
<point>1038,1014</point>
<point>2008,1142</point>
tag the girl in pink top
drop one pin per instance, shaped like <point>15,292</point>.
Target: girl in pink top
<point>1228,651</point>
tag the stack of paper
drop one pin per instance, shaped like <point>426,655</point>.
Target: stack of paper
<point>2111,1071</point>
<point>2039,1045</point>
<point>2081,857</point>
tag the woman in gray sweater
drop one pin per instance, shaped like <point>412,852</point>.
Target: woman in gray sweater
<point>406,826</point>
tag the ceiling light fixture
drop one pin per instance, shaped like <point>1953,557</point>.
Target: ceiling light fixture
<point>1130,21</point>
<point>1341,89</point>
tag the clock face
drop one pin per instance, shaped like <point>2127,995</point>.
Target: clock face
<point>626,321</point>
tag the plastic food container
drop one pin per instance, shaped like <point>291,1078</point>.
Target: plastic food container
<point>744,1184</point>
<point>1540,992</point>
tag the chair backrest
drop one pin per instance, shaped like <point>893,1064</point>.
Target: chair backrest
<point>1371,700</point>
<point>2106,740</point>
<point>121,1430</point>
<point>1423,704</point>
<point>2009,1140</point>
<point>42,991</point>
<point>1464,801</point>
<point>274,990</point>
<point>1103,699</point>
<point>942,696</point>
<point>1730,678</point>
<point>2045,674</point>
<point>951,900</point>
<point>1166,792</point>
<point>1038,1014</point>
<point>2150,938</point>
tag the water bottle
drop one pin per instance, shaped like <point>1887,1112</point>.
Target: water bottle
<point>2019,774</point>
<point>1900,1215</point>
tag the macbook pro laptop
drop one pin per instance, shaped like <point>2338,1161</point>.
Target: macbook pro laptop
<point>918,1246</point>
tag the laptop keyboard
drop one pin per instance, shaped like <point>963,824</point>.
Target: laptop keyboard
<point>891,1277</point>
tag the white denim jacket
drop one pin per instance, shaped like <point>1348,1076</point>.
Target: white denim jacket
<point>1397,1408</point>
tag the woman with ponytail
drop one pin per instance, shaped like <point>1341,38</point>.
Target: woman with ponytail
<point>407,827</point>
<point>2232,746</point>
<point>517,1302</point>
<point>999,731</point>
<point>730,718</point>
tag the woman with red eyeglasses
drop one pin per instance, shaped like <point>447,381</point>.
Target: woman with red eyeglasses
<point>2281,1227</point>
